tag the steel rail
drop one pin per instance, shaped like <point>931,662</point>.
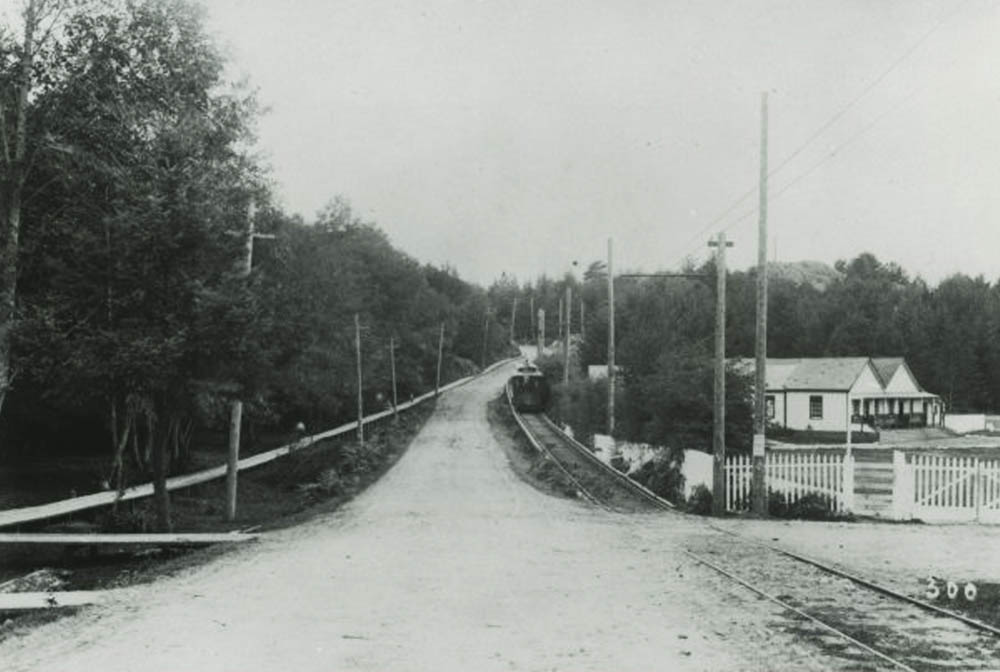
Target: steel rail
<point>545,451</point>
<point>871,585</point>
<point>639,488</point>
<point>796,610</point>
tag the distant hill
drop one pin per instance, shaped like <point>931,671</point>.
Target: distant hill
<point>814,273</point>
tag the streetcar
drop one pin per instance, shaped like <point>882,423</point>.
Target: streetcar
<point>529,389</point>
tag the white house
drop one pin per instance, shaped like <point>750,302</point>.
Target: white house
<point>835,393</point>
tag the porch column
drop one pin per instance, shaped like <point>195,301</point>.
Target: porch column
<point>847,402</point>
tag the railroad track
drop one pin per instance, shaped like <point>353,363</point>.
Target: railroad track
<point>857,623</point>
<point>594,481</point>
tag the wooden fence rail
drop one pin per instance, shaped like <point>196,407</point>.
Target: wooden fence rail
<point>30,514</point>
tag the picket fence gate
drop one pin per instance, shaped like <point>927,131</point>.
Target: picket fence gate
<point>935,487</point>
<point>794,474</point>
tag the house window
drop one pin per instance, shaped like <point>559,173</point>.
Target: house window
<point>816,407</point>
<point>769,406</point>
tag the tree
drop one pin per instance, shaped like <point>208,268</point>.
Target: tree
<point>19,79</point>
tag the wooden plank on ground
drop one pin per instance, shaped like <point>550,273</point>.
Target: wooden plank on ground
<point>53,600</point>
<point>173,539</point>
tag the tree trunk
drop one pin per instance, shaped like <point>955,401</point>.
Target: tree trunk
<point>161,467</point>
<point>11,190</point>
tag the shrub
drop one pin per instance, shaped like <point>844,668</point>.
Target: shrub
<point>700,501</point>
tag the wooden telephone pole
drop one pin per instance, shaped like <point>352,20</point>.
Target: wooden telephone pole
<point>392,363</point>
<point>437,380</point>
<point>569,302</point>
<point>486,335</point>
<point>759,483</point>
<point>531,315</point>
<point>541,333</point>
<point>236,408</point>
<point>719,415</point>
<point>361,405</point>
<point>513,317</point>
<point>611,343</point>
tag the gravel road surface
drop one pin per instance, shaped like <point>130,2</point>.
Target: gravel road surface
<point>450,562</point>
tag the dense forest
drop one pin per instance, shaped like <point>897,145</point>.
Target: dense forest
<point>949,334</point>
<point>129,185</point>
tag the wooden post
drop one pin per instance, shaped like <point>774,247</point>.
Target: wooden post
<point>361,406</point>
<point>392,364</point>
<point>236,408</point>
<point>611,343</point>
<point>437,380</point>
<point>531,316</point>
<point>541,333</point>
<point>560,320</point>
<point>719,415</point>
<point>569,302</point>
<point>486,334</point>
<point>513,318</point>
<point>759,487</point>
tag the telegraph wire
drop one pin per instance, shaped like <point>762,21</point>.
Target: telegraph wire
<point>826,125</point>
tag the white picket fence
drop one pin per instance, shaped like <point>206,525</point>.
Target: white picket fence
<point>794,474</point>
<point>935,487</point>
<point>925,486</point>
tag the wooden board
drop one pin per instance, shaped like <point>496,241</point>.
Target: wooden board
<point>53,600</point>
<point>184,539</point>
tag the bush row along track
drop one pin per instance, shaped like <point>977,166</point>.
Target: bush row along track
<point>594,480</point>
<point>864,627</point>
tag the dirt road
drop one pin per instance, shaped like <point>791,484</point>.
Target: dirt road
<point>448,563</point>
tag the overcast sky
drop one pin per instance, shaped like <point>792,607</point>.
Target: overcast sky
<point>518,136</point>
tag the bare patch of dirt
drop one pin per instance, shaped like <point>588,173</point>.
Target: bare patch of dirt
<point>291,490</point>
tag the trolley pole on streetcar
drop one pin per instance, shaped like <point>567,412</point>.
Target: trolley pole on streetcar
<point>759,484</point>
<point>719,415</point>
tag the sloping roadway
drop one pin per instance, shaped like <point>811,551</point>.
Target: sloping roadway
<point>450,562</point>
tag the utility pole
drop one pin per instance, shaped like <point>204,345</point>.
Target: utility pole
<point>531,315</point>
<point>560,320</point>
<point>361,406</point>
<point>611,343</point>
<point>719,415</point>
<point>236,408</point>
<point>392,363</point>
<point>486,333</point>
<point>759,483</point>
<point>569,302</point>
<point>437,381</point>
<point>582,323</point>
<point>541,333</point>
<point>513,317</point>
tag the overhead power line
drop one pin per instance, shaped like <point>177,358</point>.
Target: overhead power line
<point>839,114</point>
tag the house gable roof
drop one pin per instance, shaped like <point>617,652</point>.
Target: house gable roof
<point>896,375</point>
<point>825,373</point>
<point>836,374</point>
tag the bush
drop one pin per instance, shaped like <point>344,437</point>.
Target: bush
<point>700,501</point>
<point>663,475</point>
<point>811,506</point>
